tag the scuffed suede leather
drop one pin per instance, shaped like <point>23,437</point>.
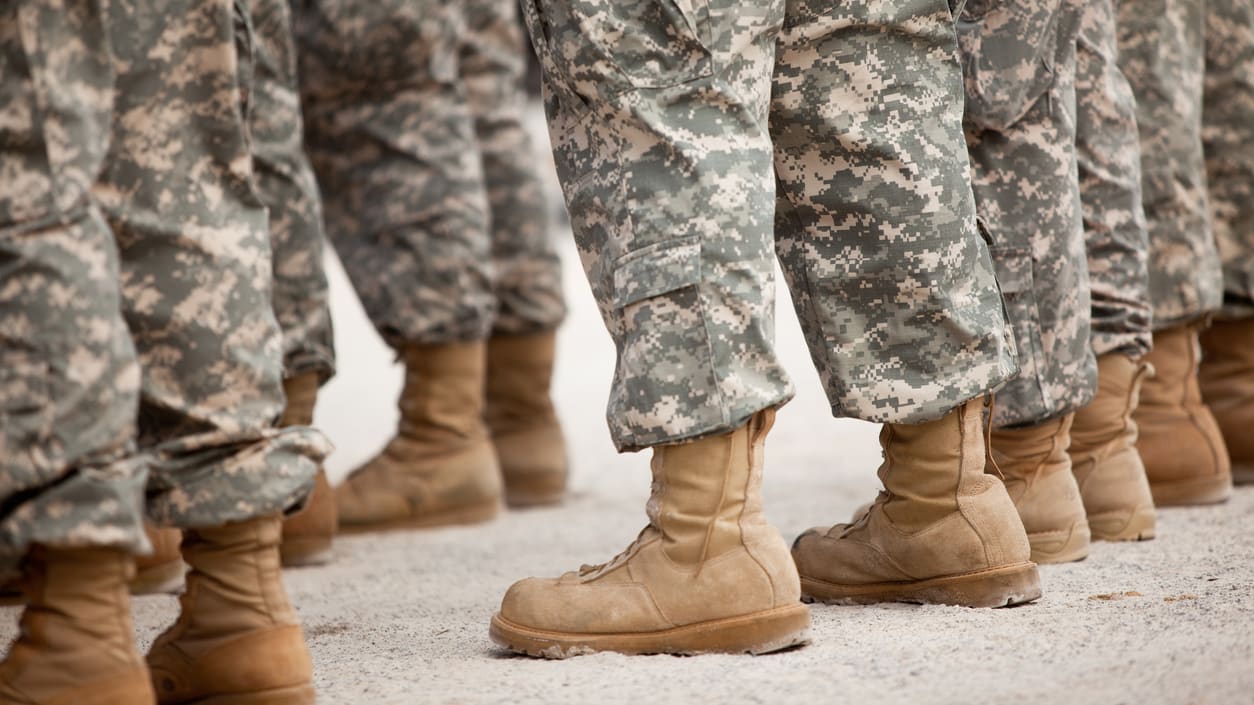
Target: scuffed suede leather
<point>1104,459</point>
<point>1036,469</point>
<point>708,552</point>
<point>1227,384</point>
<point>318,519</point>
<point>940,514</point>
<point>237,633</point>
<point>1180,442</point>
<point>520,415</point>
<point>441,458</point>
<point>76,644</point>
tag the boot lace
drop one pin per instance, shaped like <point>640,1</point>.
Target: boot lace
<point>587,569</point>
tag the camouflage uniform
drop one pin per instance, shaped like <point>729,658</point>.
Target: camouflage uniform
<point>413,112</point>
<point>289,190</point>
<point>1161,51</point>
<point>1228,141</point>
<point>152,349</point>
<point>1108,150</point>
<point>681,129</point>
<point>1019,61</point>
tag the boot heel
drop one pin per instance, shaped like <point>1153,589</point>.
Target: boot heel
<point>300,552</point>
<point>1206,490</point>
<point>1243,473</point>
<point>1137,525</point>
<point>1065,546</point>
<point>293,695</point>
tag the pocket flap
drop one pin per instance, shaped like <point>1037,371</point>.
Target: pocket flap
<point>656,269</point>
<point>1013,266</point>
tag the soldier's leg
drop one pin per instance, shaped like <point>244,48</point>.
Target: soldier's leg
<point>179,190</point>
<point>876,229</point>
<point>1019,61</point>
<point>665,163</point>
<point>392,140</point>
<point>1227,368</point>
<point>72,483</point>
<point>289,191</point>
<point>1162,55</point>
<point>1104,458</point>
<point>528,284</point>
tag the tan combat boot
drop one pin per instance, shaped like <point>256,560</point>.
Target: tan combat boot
<point>307,536</point>
<point>237,640</point>
<point>708,574</point>
<point>525,431</point>
<point>1036,469</point>
<point>440,467</point>
<point>1227,382</point>
<point>943,532</point>
<point>1180,443</point>
<point>160,572</point>
<point>76,646</point>
<point>1104,458</point>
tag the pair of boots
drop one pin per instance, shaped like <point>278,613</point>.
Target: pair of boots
<point>708,573</point>
<point>237,640</point>
<point>1079,477</point>
<point>1197,412</point>
<point>476,423</point>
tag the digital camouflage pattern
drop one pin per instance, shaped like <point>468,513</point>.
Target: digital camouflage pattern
<point>659,115</point>
<point>1161,52</point>
<point>412,113</point>
<point>1019,64</point>
<point>1109,155</point>
<point>189,257</point>
<point>69,381</point>
<point>1228,139</point>
<point>287,187</point>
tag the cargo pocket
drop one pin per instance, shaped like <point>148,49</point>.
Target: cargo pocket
<point>600,50</point>
<point>998,40</point>
<point>26,416</point>
<point>1015,270</point>
<point>655,270</point>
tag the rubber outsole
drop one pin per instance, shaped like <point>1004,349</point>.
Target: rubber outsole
<point>756,633</point>
<point>474,514</point>
<point>1182,493</point>
<point>1243,473</point>
<point>292,695</point>
<point>300,552</point>
<point>1134,525</point>
<point>997,587</point>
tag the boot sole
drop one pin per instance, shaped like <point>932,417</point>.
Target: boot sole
<point>475,514</point>
<point>1206,490</point>
<point>1063,546</point>
<point>998,587</point>
<point>533,492</point>
<point>297,553</point>
<point>293,695</point>
<point>756,633</point>
<point>1243,474</point>
<point>163,579</point>
<point>1136,525</point>
<point>526,499</point>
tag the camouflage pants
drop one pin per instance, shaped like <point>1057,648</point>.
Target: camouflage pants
<point>1019,62</point>
<point>137,339</point>
<point>1108,150</point>
<point>287,187</point>
<point>690,138</point>
<point>1228,142</point>
<point>413,113</point>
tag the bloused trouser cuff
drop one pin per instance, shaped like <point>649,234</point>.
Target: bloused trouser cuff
<point>1019,61</point>
<point>1228,139</point>
<point>287,187</point>
<point>670,175</point>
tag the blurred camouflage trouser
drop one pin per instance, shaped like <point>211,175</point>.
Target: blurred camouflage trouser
<point>1019,62</point>
<point>1109,154</point>
<point>1161,51</point>
<point>181,285</point>
<point>691,137</point>
<point>1228,139</point>
<point>289,190</point>
<point>413,111</point>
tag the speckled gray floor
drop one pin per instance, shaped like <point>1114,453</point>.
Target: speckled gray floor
<point>402,618</point>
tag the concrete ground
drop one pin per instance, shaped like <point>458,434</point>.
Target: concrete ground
<point>402,618</point>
